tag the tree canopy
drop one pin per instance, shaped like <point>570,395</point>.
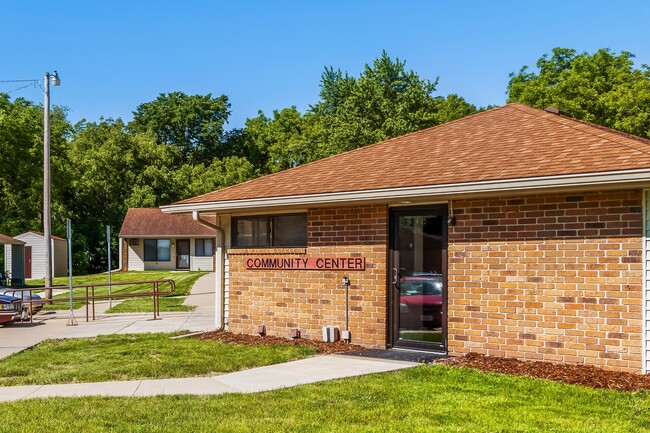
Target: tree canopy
<point>602,88</point>
<point>385,101</point>
<point>21,159</point>
<point>192,124</point>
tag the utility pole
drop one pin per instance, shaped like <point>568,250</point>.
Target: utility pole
<point>47,218</point>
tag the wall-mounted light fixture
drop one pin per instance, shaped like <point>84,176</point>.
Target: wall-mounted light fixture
<point>451,219</point>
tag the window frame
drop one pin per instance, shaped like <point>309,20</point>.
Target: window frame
<point>202,242</point>
<point>157,258</point>
<point>270,239</point>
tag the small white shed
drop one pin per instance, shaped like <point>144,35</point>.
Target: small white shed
<point>34,255</point>
<point>16,267</point>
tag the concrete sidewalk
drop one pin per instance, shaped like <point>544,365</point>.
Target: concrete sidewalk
<point>267,378</point>
<point>52,324</point>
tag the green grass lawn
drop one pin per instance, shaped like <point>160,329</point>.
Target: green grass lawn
<point>173,302</point>
<point>136,356</point>
<point>422,399</point>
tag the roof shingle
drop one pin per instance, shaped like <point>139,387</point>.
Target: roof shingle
<point>4,239</point>
<point>509,142</point>
<point>152,222</point>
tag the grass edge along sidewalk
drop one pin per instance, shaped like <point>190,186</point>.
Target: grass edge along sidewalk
<point>433,398</point>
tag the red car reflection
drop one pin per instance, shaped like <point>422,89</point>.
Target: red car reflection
<point>420,301</point>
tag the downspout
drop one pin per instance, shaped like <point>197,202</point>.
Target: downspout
<point>120,243</point>
<point>220,277</point>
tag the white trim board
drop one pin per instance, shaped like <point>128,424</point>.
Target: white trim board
<point>645,340</point>
<point>626,178</point>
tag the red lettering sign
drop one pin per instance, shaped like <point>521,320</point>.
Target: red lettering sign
<point>307,263</point>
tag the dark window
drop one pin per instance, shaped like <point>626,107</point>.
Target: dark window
<point>203,247</point>
<point>270,231</point>
<point>157,250</point>
<point>289,230</point>
<point>251,232</point>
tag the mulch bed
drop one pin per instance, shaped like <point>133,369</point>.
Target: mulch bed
<point>320,346</point>
<point>585,375</point>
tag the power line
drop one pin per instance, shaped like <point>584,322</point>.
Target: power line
<point>20,88</point>
<point>16,81</point>
<point>35,83</point>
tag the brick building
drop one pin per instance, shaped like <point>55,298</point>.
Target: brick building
<point>515,231</point>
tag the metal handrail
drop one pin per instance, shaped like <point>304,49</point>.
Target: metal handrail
<point>90,297</point>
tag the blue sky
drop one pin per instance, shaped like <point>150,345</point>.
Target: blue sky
<point>265,55</point>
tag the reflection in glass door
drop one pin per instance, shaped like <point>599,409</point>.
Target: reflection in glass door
<point>419,251</point>
<point>183,254</point>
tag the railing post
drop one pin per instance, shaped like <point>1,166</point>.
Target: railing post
<point>155,298</point>
<point>91,295</point>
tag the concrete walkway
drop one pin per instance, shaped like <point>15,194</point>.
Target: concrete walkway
<point>20,336</point>
<point>52,324</point>
<point>277,376</point>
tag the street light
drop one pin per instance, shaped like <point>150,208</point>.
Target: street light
<point>47,219</point>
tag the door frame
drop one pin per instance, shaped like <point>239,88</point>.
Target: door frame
<point>189,254</point>
<point>393,259</point>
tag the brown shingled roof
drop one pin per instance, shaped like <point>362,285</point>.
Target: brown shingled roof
<point>152,222</point>
<point>56,238</point>
<point>509,142</point>
<point>4,239</point>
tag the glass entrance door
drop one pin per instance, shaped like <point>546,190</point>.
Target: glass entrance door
<point>182,254</point>
<point>418,279</point>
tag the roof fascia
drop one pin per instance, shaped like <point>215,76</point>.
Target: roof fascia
<point>609,179</point>
<point>166,236</point>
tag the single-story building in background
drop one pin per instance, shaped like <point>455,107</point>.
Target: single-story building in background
<point>515,231</point>
<point>152,240</point>
<point>34,255</point>
<point>16,268</point>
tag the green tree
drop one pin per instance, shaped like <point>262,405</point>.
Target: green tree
<point>602,88</point>
<point>106,160</point>
<point>386,101</point>
<point>219,174</point>
<point>280,142</point>
<point>21,162</point>
<point>155,181</point>
<point>194,124</point>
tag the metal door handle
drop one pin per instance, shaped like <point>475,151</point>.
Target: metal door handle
<point>395,276</point>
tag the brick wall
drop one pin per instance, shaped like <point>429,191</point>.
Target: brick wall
<point>310,299</point>
<point>553,277</point>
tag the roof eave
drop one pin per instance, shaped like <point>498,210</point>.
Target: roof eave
<point>625,178</point>
<point>158,236</point>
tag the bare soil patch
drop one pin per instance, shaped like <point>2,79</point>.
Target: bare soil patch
<point>585,375</point>
<point>320,346</point>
